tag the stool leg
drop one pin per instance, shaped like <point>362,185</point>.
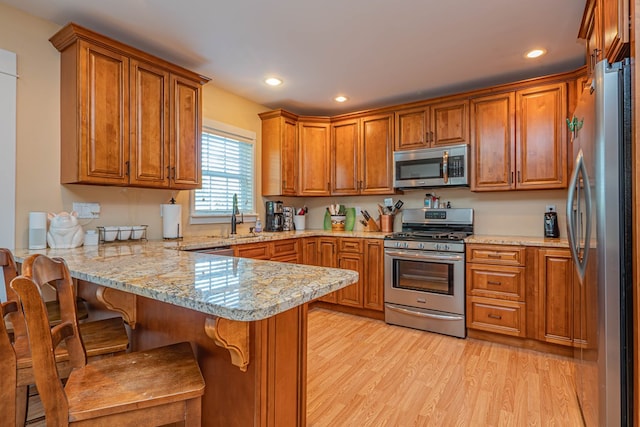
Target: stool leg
<point>22,402</point>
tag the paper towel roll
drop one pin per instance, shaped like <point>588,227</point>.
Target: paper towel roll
<point>171,221</point>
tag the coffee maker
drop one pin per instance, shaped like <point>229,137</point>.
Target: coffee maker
<point>275,216</point>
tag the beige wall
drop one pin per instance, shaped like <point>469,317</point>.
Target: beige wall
<point>38,157</point>
<point>38,137</point>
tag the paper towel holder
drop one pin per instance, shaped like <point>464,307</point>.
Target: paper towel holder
<point>172,227</point>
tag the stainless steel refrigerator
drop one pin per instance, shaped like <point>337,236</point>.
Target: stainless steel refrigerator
<point>599,232</point>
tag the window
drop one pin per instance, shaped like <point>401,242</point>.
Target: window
<point>227,169</point>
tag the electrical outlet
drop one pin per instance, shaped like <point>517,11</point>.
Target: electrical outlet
<point>551,208</point>
<point>87,210</point>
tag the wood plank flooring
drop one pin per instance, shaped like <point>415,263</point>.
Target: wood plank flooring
<point>364,372</point>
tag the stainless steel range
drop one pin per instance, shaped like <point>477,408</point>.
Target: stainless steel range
<point>424,269</point>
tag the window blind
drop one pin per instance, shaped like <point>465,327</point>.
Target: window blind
<point>227,169</point>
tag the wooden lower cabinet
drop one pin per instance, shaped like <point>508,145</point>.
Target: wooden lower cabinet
<point>280,250</point>
<point>560,300</point>
<point>366,256</point>
<point>531,293</point>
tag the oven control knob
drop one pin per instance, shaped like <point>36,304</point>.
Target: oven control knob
<point>402,245</point>
<point>442,247</point>
<point>420,245</point>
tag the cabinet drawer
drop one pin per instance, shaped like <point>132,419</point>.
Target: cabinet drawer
<point>292,258</point>
<point>255,251</point>
<point>499,316</point>
<point>493,254</point>
<point>285,247</point>
<point>496,281</point>
<point>350,245</point>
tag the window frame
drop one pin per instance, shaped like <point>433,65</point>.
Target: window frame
<point>233,132</point>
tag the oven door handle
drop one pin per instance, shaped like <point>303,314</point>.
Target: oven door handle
<point>423,256</point>
<point>421,314</point>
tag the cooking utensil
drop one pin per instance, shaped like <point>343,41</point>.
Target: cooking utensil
<point>380,209</point>
<point>397,206</point>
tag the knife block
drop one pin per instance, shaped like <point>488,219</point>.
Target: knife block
<point>372,225</point>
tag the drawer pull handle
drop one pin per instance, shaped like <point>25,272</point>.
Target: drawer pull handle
<point>495,316</point>
<point>492,282</point>
<point>494,255</point>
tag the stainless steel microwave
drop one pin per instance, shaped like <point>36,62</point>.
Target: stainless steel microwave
<point>432,167</point>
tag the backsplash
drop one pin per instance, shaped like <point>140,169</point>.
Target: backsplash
<point>509,213</point>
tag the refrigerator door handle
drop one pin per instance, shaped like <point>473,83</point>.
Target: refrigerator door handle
<point>580,260</point>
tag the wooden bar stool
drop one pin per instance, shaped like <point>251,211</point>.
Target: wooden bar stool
<point>102,338</point>
<point>147,388</point>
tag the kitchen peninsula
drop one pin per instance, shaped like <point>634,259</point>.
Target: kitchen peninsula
<point>246,319</point>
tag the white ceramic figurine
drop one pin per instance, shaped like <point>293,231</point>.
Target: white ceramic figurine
<point>64,231</point>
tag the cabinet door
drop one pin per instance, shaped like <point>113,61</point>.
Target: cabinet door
<point>450,123</point>
<point>104,116</point>
<point>310,251</point>
<point>541,137</point>
<point>315,157</point>
<point>412,128</point>
<point>492,139</point>
<point>373,282</point>
<point>615,28</point>
<point>253,250</point>
<point>345,154</point>
<point>149,103</point>
<point>556,296</point>
<point>352,294</point>
<point>289,156</point>
<point>279,153</point>
<point>186,134</point>
<point>376,155</point>
<point>327,257</point>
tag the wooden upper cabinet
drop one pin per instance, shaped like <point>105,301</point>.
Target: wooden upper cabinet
<point>279,153</point>
<point>492,136</point>
<point>450,123</point>
<point>376,154</point>
<point>94,115</point>
<point>412,128</point>
<point>126,118</point>
<point>186,134</point>
<point>615,28</point>
<point>345,155</point>
<point>362,155</point>
<point>149,160</point>
<point>605,29</point>
<point>314,157</point>
<point>434,125</point>
<point>541,137</point>
<point>519,140</point>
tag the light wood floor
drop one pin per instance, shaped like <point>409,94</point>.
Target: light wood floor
<point>363,372</point>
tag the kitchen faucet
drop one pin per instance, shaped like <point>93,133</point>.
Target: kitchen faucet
<point>235,211</point>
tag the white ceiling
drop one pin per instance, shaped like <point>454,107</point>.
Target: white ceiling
<point>376,52</point>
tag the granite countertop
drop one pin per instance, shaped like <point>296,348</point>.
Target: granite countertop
<point>233,288</point>
<point>518,240</point>
<point>193,243</point>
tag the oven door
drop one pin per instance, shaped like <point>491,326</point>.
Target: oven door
<point>425,279</point>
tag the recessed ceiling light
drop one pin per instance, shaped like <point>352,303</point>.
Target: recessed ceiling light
<point>535,53</point>
<point>340,98</point>
<point>273,81</point>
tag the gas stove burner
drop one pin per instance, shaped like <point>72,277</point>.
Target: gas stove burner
<point>426,235</point>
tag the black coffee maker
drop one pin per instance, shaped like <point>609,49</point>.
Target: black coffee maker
<point>275,216</point>
<point>551,224</point>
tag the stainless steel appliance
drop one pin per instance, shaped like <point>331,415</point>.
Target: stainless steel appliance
<point>275,216</point>
<point>424,271</point>
<point>599,230</point>
<point>431,167</point>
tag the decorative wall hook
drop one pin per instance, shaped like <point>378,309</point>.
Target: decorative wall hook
<point>575,124</point>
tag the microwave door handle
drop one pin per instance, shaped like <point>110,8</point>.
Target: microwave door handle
<point>445,167</point>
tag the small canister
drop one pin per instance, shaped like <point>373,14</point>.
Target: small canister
<point>428,200</point>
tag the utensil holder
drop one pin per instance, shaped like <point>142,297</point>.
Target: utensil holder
<point>386,223</point>
<point>337,222</point>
